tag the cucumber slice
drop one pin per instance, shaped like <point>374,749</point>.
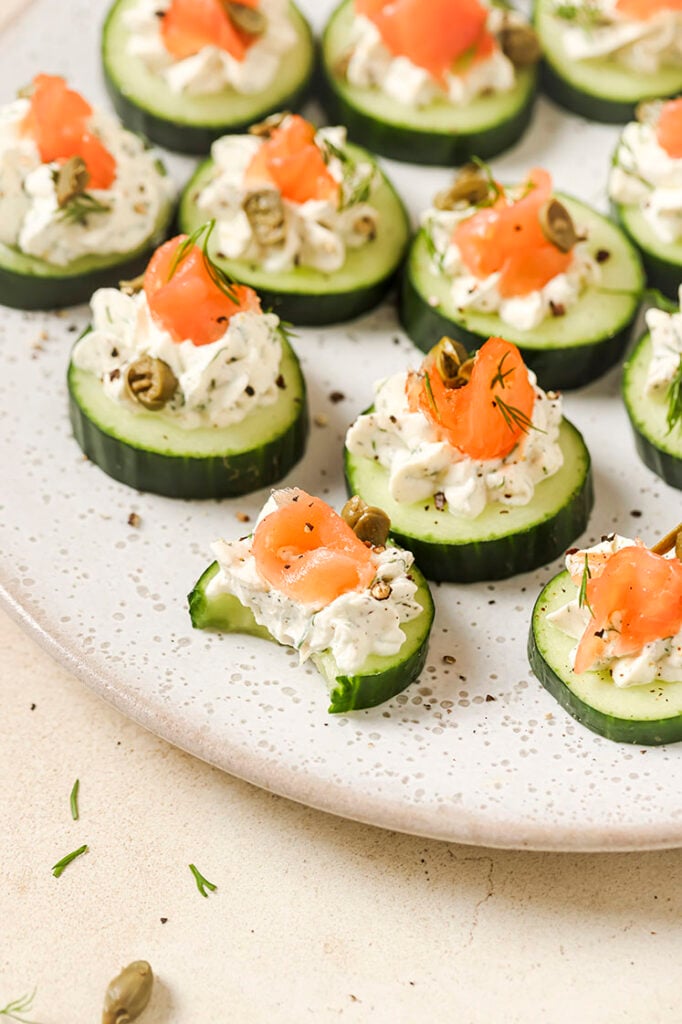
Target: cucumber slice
<point>503,540</point>
<point>147,451</point>
<point>380,677</point>
<point>646,715</point>
<point>662,262</point>
<point>566,351</point>
<point>659,448</point>
<point>439,133</point>
<point>598,89</point>
<point>307,296</point>
<point>190,124</point>
<point>27,282</point>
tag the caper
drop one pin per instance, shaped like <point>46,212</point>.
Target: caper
<point>265,212</point>
<point>672,540</point>
<point>264,129</point>
<point>449,356</point>
<point>128,993</point>
<point>557,225</point>
<point>470,186</point>
<point>133,286</point>
<point>368,522</point>
<point>520,44</point>
<point>365,226</point>
<point>151,382</point>
<point>247,19</point>
<point>72,180</point>
<point>381,590</point>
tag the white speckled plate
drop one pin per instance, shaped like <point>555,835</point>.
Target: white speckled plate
<point>476,751</point>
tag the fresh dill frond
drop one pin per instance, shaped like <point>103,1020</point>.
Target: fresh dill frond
<point>80,207</point>
<point>202,883</point>
<point>17,1007</point>
<point>430,395</point>
<point>582,595</point>
<point>514,417</point>
<point>218,276</point>
<point>674,395</point>
<point>73,799</point>
<point>501,375</point>
<point>58,868</point>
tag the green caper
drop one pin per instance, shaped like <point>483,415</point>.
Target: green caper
<point>368,522</point>
<point>264,129</point>
<point>247,19</point>
<point>520,44</point>
<point>557,225</point>
<point>72,180</point>
<point>471,186</point>
<point>450,355</point>
<point>151,382</point>
<point>128,993</point>
<point>265,212</point>
<point>672,540</point>
<point>133,286</point>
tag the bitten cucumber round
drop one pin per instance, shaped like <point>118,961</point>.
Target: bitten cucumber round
<point>304,295</point>
<point>646,715</point>
<point>662,261</point>
<point>146,450</point>
<point>438,133</point>
<point>503,540</point>
<point>564,351</point>
<point>379,679</point>
<point>27,282</point>
<point>189,123</point>
<point>659,448</point>
<point>600,89</point>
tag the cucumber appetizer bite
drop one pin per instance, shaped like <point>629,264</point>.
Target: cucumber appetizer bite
<point>185,72</point>
<point>430,82</point>
<point>301,215</point>
<point>182,385</point>
<point>652,391</point>
<point>546,272</point>
<point>645,187</point>
<point>603,57</point>
<point>622,603</point>
<point>481,476</point>
<point>329,586</point>
<point>82,201</point>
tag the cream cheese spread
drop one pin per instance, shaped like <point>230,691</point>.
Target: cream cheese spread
<point>218,384</point>
<point>371,65</point>
<point>30,217</point>
<point>211,69</point>
<point>420,465</point>
<point>316,233</point>
<point>659,659</point>
<point>601,31</point>
<point>351,628</point>
<point>666,348</point>
<point>645,175</point>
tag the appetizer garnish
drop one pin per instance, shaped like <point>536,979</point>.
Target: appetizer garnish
<point>481,476</point>
<point>183,386</point>
<point>82,202</point>
<point>622,603</point>
<point>128,994</point>
<point>306,578</point>
<point>185,72</point>
<point>602,57</point>
<point>646,188</point>
<point>543,270</point>
<point>302,216</point>
<point>432,81</point>
<point>652,390</point>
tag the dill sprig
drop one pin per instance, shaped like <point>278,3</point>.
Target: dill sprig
<point>583,601</point>
<point>355,188</point>
<point>430,395</point>
<point>514,417</point>
<point>58,868</point>
<point>73,799</point>
<point>494,190</point>
<point>587,15</point>
<point>17,1007</point>
<point>80,207</point>
<point>674,395</point>
<point>500,376</point>
<point>218,276</point>
<point>202,883</point>
<point>285,330</point>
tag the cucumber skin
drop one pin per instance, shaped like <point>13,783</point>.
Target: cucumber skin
<point>587,105</point>
<point>349,692</point>
<point>661,463</point>
<point>561,369</point>
<point>660,273</point>
<point>501,557</point>
<point>185,476</point>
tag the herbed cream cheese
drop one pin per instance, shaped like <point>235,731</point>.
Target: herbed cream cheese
<point>211,69</point>
<point>645,175</point>
<point>30,217</point>
<point>598,29</point>
<point>420,465</point>
<point>219,384</point>
<point>315,234</point>
<point>352,627</point>
<point>524,312</point>
<point>371,65</point>
<point>666,348</point>
<point>658,660</point>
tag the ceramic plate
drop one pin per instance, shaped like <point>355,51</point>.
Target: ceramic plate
<point>475,751</point>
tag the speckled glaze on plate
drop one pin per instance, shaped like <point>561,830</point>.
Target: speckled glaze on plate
<point>476,751</point>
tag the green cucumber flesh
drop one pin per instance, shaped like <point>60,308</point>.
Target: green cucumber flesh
<point>600,89</point>
<point>503,540</point>
<point>304,295</point>
<point>659,448</point>
<point>379,679</point>
<point>27,282</point>
<point>646,715</point>
<point>662,260</point>
<point>438,133</point>
<point>146,450</point>
<point>564,351</point>
<point>186,123</point>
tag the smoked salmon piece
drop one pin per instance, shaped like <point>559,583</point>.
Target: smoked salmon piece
<point>487,417</point>
<point>57,121</point>
<point>190,25</point>
<point>642,10</point>
<point>291,162</point>
<point>307,551</point>
<point>507,237</point>
<point>669,128</point>
<point>640,594</point>
<point>185,299</point>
